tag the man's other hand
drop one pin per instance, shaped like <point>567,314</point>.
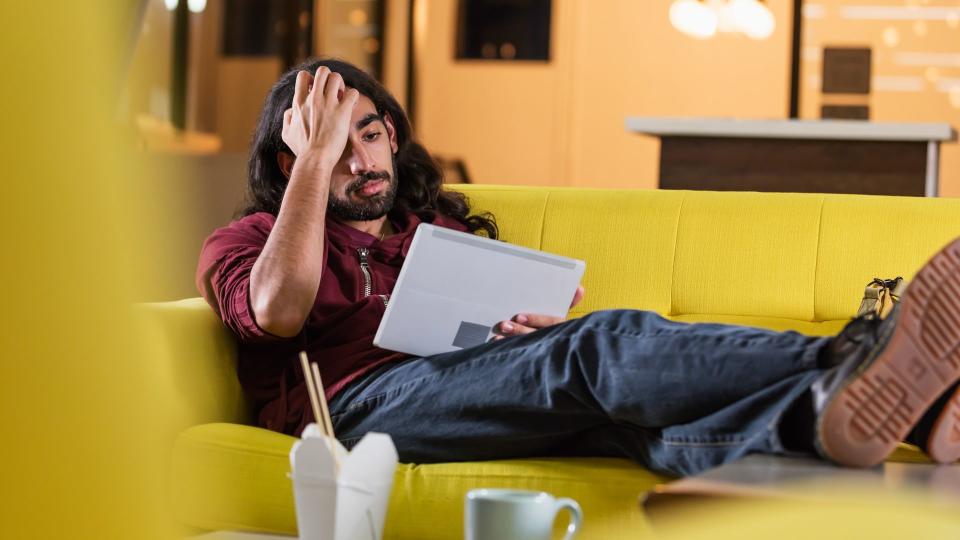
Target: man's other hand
<point>319,117</point>
<point>524,323</point>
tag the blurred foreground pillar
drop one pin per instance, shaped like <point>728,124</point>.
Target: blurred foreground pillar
<point>79,455</point>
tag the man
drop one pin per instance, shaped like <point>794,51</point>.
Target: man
<point>337,188</point>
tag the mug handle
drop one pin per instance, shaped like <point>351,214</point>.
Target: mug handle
<point>576,516</point>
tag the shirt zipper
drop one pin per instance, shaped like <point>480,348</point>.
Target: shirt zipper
<point>365,268</point>
<point>367,278</point>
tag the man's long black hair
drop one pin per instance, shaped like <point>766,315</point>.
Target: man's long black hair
<point>419,178</point>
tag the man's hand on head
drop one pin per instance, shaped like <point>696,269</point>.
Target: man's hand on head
<point>318,119</point>
<point>524,323</point>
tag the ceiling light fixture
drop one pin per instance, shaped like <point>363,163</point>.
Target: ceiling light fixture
<point>693,18</point>
<point>752,18</point>
<point>196,6</point>
<point>702,19</point>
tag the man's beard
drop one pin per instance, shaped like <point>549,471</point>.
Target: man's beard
<point>367,208</point>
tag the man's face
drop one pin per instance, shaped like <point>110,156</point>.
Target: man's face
<point>363,185</point>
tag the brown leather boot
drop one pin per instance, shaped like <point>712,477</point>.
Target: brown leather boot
<point>938,432</point>
<point>889,372</point>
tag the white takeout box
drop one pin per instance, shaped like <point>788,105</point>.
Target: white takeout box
<point>348,506</point>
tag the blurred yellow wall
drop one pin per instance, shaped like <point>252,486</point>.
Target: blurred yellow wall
<point>562,122</point>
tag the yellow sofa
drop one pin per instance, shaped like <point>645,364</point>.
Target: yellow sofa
<point>780,261</point>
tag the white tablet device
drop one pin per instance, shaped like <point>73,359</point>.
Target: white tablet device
<point>454,287</point>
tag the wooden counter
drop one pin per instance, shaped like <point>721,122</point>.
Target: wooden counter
<point>806,156</point>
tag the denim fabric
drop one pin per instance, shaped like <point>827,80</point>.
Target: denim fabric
<point>675,397</point>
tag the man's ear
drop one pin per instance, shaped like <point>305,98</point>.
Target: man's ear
<point>285,160</point>
<point>391,131</point>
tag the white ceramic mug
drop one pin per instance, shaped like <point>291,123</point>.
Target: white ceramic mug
<point>510,514</point>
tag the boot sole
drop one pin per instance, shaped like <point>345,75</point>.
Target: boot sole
<point>943,444</point>
<point>880,403</point>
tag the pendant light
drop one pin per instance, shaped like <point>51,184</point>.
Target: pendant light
<point>703,19</point>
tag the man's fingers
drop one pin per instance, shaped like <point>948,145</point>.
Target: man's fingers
<point>509,328</point>
<point>351,97</point>
<point>578,295</point>
<point>334,88</point>
<point>532,320</point>
<point>302,88</point>
<point>319,83</point>
<point>525,323</point>
<point>349,101</point>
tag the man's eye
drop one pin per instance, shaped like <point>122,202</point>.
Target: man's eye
<point>372,136</point>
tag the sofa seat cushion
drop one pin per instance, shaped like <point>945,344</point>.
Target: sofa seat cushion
<point>234,477</point>
<point>229,476</point>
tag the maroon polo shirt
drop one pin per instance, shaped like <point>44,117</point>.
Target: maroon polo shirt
<point>338,333</point>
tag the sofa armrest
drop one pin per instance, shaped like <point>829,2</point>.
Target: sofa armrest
<point>191,359</point>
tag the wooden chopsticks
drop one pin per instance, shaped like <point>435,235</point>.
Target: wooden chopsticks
<point>318,401</point>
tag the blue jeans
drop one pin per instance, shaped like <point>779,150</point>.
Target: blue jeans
<point>678,398</point>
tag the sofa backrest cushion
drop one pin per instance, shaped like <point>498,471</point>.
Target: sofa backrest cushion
<point>795,256</point>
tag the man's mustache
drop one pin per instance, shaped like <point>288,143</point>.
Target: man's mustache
<point>366,177</point>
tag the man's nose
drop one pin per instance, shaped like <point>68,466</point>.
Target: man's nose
<point>359,158</point>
